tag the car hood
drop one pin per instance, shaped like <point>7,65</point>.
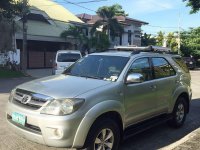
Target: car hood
<point>63,86</point>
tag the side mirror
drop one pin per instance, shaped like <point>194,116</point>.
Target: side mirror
<point>134,78</point>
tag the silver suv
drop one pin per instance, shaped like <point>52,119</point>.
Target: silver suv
<point>101,98</point>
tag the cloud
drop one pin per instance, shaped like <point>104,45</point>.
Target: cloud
<point>149,6</point>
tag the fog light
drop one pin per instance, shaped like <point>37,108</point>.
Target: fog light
<point>58,133</point>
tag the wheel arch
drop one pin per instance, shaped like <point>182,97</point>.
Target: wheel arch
<point>184,91</point>
<point>186,96</point>
<point>110,108</point>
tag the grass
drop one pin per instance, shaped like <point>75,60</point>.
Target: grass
<point>5,73</point>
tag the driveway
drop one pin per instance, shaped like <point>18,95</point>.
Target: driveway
<point>39,73</point>
<point>160,137</point>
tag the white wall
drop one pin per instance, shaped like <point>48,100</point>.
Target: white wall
<point>134,40</point>
<point>14,56</point>
<point>11,56</point>
<point>2,59</point>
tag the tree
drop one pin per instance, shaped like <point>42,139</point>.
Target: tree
<point>160,38</point>
<point>110,24</point>
<point>100,42</point>
<point>172,41</point>
<point>148,39</point>
<point>190,42</point>
<point>5,40</point>
<point>77,33</point>
<point>10,8</point>
<point>194,4</point>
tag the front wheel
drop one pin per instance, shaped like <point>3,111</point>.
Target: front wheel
<point>104,135</point>
<point>179,113</point>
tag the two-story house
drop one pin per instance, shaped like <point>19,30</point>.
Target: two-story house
<point>132,29</point>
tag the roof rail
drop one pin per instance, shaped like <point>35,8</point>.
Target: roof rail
<point>136,50</point>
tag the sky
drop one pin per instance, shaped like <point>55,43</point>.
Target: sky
<point>162,15</point>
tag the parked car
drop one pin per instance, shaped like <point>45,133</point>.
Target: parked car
<point>190,62</point>
<point>65,58</point>
<point>101,99</point>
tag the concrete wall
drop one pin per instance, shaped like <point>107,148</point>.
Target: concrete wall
<point>12,56</point>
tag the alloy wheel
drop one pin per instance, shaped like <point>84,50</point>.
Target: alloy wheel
<point>104,140</point>
<point>180,112</point>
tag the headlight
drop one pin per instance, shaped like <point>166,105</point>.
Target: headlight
<point>62,107</point>
<point>12,93</point>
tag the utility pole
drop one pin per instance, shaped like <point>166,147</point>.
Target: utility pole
<point>24,52</point>
<point>179,33</point>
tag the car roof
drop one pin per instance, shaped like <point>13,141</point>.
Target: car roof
<point>154,54</point>
<point>114,53</point>
<point>131,54</point>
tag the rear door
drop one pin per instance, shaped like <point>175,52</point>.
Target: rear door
<point>165,79</point>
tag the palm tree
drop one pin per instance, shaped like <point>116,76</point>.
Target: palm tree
<point>160,38</point>
<point>109,23</point>
<point>77,33</point>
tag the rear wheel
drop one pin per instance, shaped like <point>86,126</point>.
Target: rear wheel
<point>104,135</point>
<point>179,113</point>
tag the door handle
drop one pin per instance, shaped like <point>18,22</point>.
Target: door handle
<point>153,87</point>
<point>177,81</point>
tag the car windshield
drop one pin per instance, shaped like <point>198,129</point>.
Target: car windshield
<point>68,57</point>
<point>98,67</point>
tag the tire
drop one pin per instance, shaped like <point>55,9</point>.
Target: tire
<point>179,113</point>
<point>103,133</point>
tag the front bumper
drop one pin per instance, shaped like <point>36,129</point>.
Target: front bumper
<point>56,131</point>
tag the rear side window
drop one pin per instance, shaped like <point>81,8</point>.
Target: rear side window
<point>162,68</point>
<point>181,64</point>
<point>67,57</point>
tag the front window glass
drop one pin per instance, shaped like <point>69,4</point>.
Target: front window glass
<point>142,66</point>
<point>67,57</point>
<point>98,67</point>
<point>162,68</point>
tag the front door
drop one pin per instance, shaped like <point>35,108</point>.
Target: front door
<point>140,98</point>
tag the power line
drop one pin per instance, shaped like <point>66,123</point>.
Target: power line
<point>161,26</point>
<point>84,2</point>
<point>91,1</point>
<point>79,5</point>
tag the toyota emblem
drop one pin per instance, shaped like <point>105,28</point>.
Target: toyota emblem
<point>25,99</point>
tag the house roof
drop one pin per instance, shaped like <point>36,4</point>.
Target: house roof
<point>54,10</point>
<point>136,20</point>
<point>84,16</point>
<point>91,19</point>
<point>47,19</point>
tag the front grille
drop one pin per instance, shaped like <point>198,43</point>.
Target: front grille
<point>29,99</point>
<point>28,127</point>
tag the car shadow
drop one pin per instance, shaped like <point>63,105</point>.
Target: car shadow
<point>163,135</point>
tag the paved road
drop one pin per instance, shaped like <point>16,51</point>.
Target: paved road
<point>161,137</point>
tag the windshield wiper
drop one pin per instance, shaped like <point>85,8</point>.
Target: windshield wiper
<point>92,77</point>
<point>76,75</point>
